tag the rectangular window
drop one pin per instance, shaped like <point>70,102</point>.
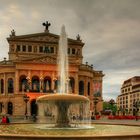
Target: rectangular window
<point>24,48</point>
<point>41,49</point>
<point>47,49</point>
<point>52,50</point>
<point>68,50</point>
<point>73,51</point>
<point>29,48</point>
<point>18,48</point>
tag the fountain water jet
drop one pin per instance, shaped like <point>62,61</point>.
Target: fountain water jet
<point>63,63</point>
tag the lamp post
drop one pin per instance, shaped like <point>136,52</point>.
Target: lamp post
<point>112,102</point>
<point>95,101</point>
<point>26,99</point>
<point>136,105</point>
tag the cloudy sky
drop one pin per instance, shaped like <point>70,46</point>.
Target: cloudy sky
<point>109,28</point>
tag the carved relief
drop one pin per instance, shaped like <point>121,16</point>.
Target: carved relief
<point>40,38</point>
<point>45,60</point>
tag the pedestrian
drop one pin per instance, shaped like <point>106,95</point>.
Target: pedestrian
<point>7,119</point>
<point>3,120</point>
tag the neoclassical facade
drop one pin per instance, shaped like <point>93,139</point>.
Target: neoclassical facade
<point>32,69</point>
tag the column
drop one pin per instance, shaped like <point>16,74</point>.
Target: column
<point>85,86</point>
<point>4,108</point>
<point>41,81</point>
<point>52,81</point>
<point>91,88</point>
<point>28,108</point>
<point>5,84</point>
<point>29,80</point>
<point>16,83</point>
<point>76,86</point>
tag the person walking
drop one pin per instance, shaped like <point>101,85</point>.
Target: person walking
<point>7,119</point>
<point>3,120</point>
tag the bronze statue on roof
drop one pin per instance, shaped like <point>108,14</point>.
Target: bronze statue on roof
<point>47,24</point>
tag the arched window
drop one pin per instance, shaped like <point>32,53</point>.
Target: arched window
<point>10,108</point>
<point>88,89</point>
<point>81,88</point>
<point>23,84</point>
<point>10,85</point>
<point>2,86</point>
<point>72,84</point>
<point>47,84</point>
<point>35,84</point>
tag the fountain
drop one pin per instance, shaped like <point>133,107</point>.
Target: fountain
<point>63,106</point>
<point>64,103</point>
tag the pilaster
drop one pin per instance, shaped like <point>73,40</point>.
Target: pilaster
<point>41,81</point>
<point>5,85</point>
<point>85,86</point>
<point>16,82</point>
<point>76,86</point>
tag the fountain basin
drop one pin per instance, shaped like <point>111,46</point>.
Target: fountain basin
<point>62,97</point>
<point>99,132</point>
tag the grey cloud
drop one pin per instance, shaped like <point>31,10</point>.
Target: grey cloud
<point>109,28</point>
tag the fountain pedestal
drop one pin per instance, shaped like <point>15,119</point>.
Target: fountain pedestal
<point>62,119</point>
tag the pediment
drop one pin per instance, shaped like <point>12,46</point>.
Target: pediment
<point>41,39</point>
<point>41,60</point>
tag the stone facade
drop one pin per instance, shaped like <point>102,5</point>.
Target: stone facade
<point>32,69</point>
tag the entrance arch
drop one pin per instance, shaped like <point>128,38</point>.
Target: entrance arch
<point>10,108</point>
<point>34,107</point>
